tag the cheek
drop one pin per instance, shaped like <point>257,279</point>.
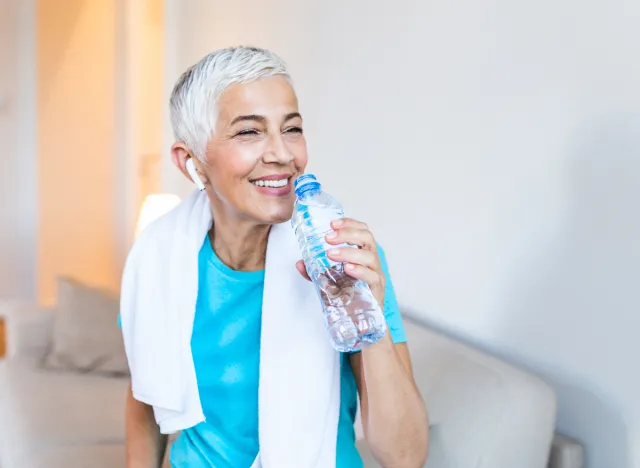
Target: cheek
<point>300,156</point>
<point>301,162</point>
<point>232,163</point>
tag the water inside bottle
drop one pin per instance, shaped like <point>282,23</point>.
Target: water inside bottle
<point>353,317</point>
<point>352,314</point>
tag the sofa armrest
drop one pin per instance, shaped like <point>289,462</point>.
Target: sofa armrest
<point>28,329</point>
<point>566,453</point>
<point>483,412</point>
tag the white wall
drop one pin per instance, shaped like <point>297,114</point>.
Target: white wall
<point>495,149</point>
<point>139,112</point>
<point>42,95</point>
<point>77,136</point>
<point>109,126</point>
<point>18,206</point>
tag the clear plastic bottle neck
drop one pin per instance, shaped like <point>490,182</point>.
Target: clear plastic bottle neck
<point>308,190</point>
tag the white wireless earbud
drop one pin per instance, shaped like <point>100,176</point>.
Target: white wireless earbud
<point>191,169</point>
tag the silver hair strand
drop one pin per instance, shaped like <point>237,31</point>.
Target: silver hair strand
<point>195,95</point>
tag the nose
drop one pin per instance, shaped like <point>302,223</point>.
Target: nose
<point>277,150</point>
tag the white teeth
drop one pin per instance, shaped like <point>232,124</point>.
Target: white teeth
<point>271,183</point>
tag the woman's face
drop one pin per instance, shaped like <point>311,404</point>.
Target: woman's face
<point>256,152</point>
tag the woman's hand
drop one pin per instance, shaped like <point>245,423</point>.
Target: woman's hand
<point>362,263</point>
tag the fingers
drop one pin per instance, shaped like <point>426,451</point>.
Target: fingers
<point>302,270</point>
<point>360,264</point>
<point>349,223</point>
<point>352,233</point>
<point>361,257</point>
<point>363,263</point>
<point>369,276</point>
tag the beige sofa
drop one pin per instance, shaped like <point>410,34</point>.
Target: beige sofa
<point>54,419</point>
<point>484,413</point>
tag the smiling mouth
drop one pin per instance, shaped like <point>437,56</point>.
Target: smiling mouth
<point>271,183</point>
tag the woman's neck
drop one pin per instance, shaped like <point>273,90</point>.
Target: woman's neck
<point>240,244</point>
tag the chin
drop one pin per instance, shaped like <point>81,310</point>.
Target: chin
<point>280,218</point>
<point>276,215</point>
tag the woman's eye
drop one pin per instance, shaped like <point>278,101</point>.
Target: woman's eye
<point>293,130</point>
<point>249,131</point>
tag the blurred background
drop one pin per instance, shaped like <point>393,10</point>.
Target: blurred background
<point>492,146</point>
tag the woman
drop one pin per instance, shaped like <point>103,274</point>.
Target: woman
<point>235,115</point>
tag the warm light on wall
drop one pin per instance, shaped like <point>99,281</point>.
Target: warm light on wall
<point>154,206</point>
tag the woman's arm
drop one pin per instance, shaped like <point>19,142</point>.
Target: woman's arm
<point>394,417</point>
<point>145,444</point>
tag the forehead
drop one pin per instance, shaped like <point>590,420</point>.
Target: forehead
<point>271,97</point>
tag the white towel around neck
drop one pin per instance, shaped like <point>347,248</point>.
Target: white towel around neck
<point>299,387</point>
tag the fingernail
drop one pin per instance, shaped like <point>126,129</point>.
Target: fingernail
<point>334,252</point>
<point>338,222</point>
<point>349,266</point>
<point>332,235</point>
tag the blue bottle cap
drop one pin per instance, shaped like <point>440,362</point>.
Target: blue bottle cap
<point>306,182</point>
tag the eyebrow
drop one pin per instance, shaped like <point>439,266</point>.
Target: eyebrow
<point>292,115</point>
<point>243,118</point>
<point>261,119</point>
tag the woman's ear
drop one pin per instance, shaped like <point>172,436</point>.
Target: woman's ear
<point>180,154</point>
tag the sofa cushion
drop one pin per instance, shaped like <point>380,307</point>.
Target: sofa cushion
<point>86,336</point>
<point>51,415</point>
<point>80,456</point>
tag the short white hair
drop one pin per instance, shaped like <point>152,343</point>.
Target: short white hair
<point>195,95</point>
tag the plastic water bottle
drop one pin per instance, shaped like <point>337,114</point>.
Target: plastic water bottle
<point>353,317</point>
